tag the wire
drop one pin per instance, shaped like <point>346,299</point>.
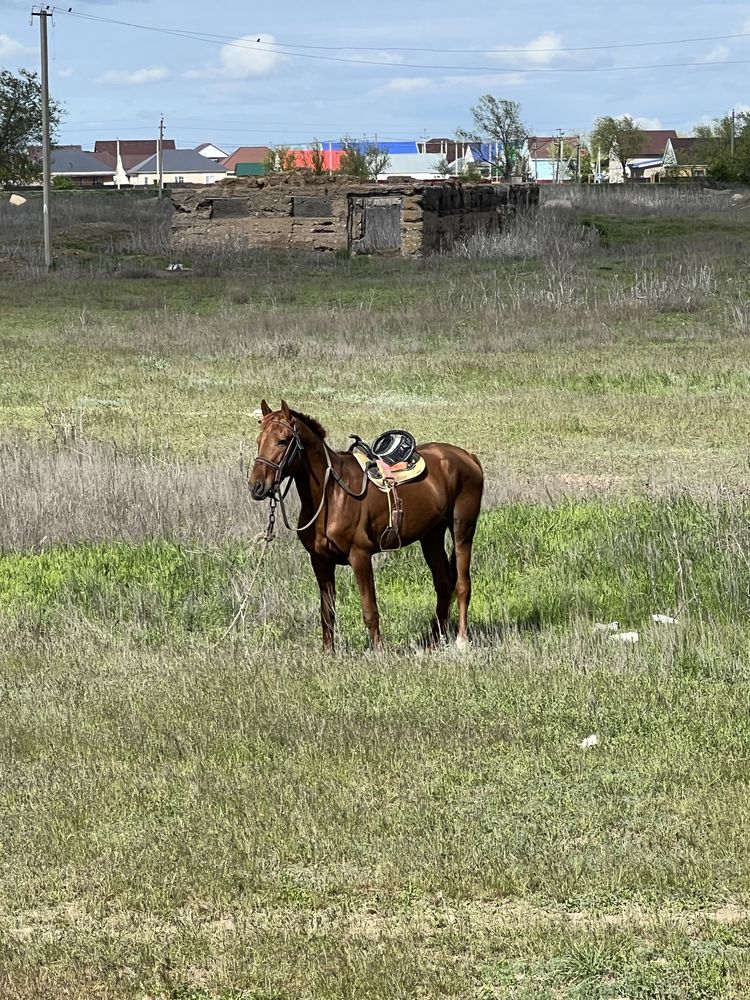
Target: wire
<point>205,35</point>
<point>279,49</point>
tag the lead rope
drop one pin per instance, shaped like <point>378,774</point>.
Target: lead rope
<point>270,533</point>
<point>265,540</point>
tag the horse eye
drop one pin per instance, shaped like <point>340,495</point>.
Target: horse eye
<point>283,442</point>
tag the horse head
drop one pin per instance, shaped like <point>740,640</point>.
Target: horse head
<point>279,449</point>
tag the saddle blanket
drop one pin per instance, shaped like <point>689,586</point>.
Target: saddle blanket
<point>382,475</point>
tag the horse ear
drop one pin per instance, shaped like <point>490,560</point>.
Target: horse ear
<point>285,409</point>
<point>265,409</point>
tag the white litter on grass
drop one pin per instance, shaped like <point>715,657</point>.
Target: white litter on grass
<point>16,199</point>
<point>589,742</point>
<point>664,620</point>
<point>626,636</point>
<point>177,267</point>
<point>608,627</point>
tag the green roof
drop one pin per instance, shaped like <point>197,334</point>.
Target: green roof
<point>249,169</point>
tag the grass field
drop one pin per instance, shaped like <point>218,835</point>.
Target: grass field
<point>192,812</point>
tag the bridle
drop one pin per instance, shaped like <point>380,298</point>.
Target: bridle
<point>277,495</point>
<point>294,448</point>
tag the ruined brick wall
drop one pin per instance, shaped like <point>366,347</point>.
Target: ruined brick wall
<point>262,212</point>
<point>307,212</point>
<point>454,211</point>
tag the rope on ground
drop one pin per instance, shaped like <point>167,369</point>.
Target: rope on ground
<point>264,538</point>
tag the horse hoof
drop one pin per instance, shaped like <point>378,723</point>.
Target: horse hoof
<point>462,642</point>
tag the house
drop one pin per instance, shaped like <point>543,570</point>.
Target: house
<point>546,165</point>
<point>450,149</point>
<point>684,155</point>
<point>82,168</point>
<point>129,151</point>
<point>123,154</point>
<point>211,152</point>
<point>420,166</point>
<point>179,166</point>
<point>245,154</point>
<point>648,163</point>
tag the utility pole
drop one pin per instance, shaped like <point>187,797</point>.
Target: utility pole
<point>731,137</point>
<point>560,133</point>
<point>578,161</point>
<point>43,13</point>
<point>160,157</point>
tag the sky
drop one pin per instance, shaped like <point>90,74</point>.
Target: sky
<point>288,73</point>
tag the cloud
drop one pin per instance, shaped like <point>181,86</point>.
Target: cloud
<point>406,84</point>
<point>650,124</point>
<point>540,51</point>
<point>247,56</point>
<point>135,78</point>
<point>718,54</point>
<point>65,73</point>
<point>642,121</point>
<point>10,47</point>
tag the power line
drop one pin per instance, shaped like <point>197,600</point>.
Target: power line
<point>288,51</point>
<point>517,50</point>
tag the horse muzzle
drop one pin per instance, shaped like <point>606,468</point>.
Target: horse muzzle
<point>259,490</point>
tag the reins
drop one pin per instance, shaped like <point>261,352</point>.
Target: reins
<point>278,495</point>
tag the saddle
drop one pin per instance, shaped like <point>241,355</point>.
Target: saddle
<point>391,460</point>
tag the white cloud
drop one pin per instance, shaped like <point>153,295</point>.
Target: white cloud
<point>249,56</point>
<point>718,54</point>
<point>135,78</point>
<point>11,47</point>
<point>65,73</point>
<point>650,124</point>
<point>642,121</point>
<point>407,84</point>
<point>540,51</point>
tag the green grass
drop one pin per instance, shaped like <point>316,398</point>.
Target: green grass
<point>534,567</point>
<point>197,812</point>
<point>363,826</point>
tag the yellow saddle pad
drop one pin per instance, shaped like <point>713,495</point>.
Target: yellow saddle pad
<point>384,474</point>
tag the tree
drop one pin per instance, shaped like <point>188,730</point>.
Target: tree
<point>714,147</point>
<point>618,138</point>
<point>361,158</point>
<point>21,126</point>
<point>498,135</point>
<point>280,159</point>
<point>443,167</point>
<point>573,154</point>
<point>317,157</point>
<point>471,173</point>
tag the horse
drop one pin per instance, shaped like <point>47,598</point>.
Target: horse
<point>343,517</point>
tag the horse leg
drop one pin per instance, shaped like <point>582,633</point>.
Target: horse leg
<point>325,574</point>
<point>361,563</point>
<point>443,579</point>
<point>465,516</point>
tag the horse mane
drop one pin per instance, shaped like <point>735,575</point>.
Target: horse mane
<point>311,423</point>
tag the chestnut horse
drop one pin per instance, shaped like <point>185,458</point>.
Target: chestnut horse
<point>343,519</point>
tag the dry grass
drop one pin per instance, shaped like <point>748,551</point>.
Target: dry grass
<point>666,200</point>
